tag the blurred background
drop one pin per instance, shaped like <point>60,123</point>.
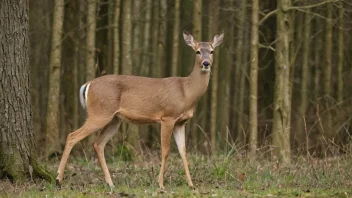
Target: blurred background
<point>280,81</point>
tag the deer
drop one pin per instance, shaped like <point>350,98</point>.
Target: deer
<point>110,100</point>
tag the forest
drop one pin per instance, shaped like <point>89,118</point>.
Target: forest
<point>278,90</point>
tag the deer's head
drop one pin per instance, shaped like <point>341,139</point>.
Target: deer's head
<point>204,50</point>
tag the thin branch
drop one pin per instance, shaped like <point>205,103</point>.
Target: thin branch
<point>313,5</point>
<point>267,47</point>
<point>266,17</point>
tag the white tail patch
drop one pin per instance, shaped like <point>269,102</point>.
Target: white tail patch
<point>83,95</point>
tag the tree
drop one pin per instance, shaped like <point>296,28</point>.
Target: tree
<point>52,118</point>
<point>116,47</point>
<point>213,26</point>
<point>328,50</point>
<point>127,59</point>
<point>281,122</point>
<point>340,53</point>
<point>17,149</point>
<point>176,39</point>
<point>253,80</point>
<point>90,51</point>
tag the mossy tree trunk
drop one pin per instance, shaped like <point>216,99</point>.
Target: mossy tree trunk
<point>116,37</point>
<point>52,118</point>
<point>340,53</point>
<point>17,150</point>
<point>281,122</point>
<point>90,50</point>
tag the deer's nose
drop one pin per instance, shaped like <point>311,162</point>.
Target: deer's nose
<point>206,63</point>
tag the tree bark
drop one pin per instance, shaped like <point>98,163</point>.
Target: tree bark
<point>116,37</point>
<point>253,80</point>
<point>176,39</point>
<point>240,73</point>
<point>304,80</point>
<point>340,53</point>
<point>52,118</point>
<point>146,59</point>
<point>127,60</point>
<point>160,64</point>
<point>328,50</point>
<point>90,50</point>
<point>137,30</point>
<point>281,122</point>
<point>213,26</point>
<point>17,149</point>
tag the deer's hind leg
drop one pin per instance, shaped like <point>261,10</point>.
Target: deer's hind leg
<point>92,124</point>
<point>105,135</point>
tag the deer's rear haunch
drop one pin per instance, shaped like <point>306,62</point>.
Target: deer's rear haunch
<point>111,99</point>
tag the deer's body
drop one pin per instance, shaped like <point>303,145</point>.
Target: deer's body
<point>111,99</point>
<point>173,97</point>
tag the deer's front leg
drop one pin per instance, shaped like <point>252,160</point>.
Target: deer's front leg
<point>179,135</point>
<point>166,131</point>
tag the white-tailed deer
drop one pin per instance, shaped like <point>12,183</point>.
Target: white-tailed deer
<point>111,99</point>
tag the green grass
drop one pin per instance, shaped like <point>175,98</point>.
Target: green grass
<point>221,176</point>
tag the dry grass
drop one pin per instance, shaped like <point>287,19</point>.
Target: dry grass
<point>222,176</point>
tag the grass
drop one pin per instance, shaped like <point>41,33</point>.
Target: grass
<point>220,176</point>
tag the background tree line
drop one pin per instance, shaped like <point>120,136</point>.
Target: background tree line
<point>280,82</point>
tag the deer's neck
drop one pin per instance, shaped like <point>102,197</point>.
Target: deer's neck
<point>196,84</point>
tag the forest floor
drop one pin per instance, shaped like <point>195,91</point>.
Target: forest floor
<point>220,176</point>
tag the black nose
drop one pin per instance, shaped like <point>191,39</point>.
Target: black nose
<point>206,64</point>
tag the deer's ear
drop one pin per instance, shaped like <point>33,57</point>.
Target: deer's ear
<point>189,39</point>
<point>217,40</point>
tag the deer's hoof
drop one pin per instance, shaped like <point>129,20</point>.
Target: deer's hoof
<point>58,183</point>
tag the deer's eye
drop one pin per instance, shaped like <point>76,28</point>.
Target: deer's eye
<point>211,52</point>
<point>197,52</point>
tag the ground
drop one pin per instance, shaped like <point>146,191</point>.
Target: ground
<point>221,176</point>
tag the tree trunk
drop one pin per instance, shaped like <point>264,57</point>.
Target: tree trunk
<point>52,118</point>
<point>253,81</point>
<point>281,122</point>
<point>301,133</point>
<point>137,30</point>
<point>240,73</point>
<point>90,50</point>
<point>197,137</point>
<point>116,36</point>
<point>160,64</point>
<point>127,60</point>
<point>176,39</point>
<point>17,150</point>
<point>340,54</point>
<point>146,59</point>
<point>155,70</point>
<point>214,7</point>
<point>328,50</point>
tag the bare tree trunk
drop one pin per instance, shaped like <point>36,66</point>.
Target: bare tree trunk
<point>304,80</point>
<point>213,26</point>
<point>176,39</point>
<point>91,27</point>
<point>253,80</point>
<point>240,73</point>
<point>146,59</point>
<point>328,50</point>
<point>17,149</point>
<point>117,38</point>
<point>127,60</point>
<point>281,123</point>
<point>52,119</point>
<point>340,53</point>
<point>137,44</point>
<point>161,39</point>
<point>155,70</point>
<point>201,106</point>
